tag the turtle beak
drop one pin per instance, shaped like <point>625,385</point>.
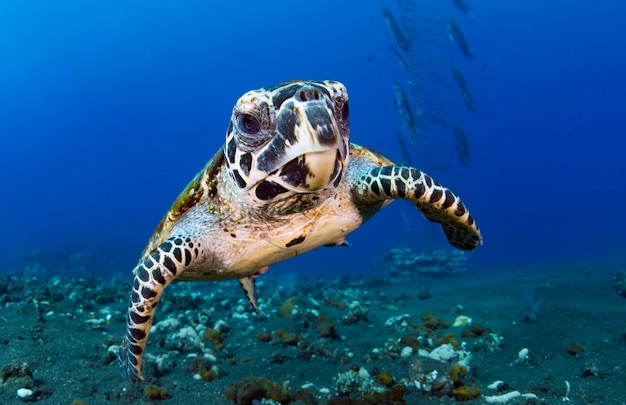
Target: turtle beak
<point>312,171</point>
<point>324,167</point>
<point>318,156</point>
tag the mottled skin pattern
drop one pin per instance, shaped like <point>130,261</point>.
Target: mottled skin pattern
<point>288,180</point>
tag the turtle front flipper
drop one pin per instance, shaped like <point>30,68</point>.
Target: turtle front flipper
<point>152,275</point>
<point>437,203</point>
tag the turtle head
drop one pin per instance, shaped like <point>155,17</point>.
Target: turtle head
<point>289,138</point>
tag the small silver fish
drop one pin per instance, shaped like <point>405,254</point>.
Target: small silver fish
<point>394,27</point>
<point>467,96</point>
<point>462,6</point>
<point>462,145</point>
<point>457,37</point>
<point>405,110</point>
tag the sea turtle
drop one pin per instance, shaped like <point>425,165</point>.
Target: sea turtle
<point>286,181</point>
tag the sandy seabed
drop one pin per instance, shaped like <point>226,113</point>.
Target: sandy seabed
<point>343,341</point>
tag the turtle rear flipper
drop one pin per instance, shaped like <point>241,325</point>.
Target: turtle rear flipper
<point>248,286</point>
<point>436,203</point>
<point>158,269</point>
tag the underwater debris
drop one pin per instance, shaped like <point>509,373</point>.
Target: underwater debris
<point>443,353</point>
<point>251,390</point>
<point>358,384</point>
<point>502,398</point>
<point>448,339</point>
<point>287,338</point>
<point>394,320</point>
<point>358,312</point>
<point>568,388</point>
<point>326,328</point>
<point>18,371</point>
<point>155,392</point>
<point>424,293</point>
<point>497,385</point>
<point>466,393</point>
<point>591,370</point>
<point>289,309</point>
<point>18,378</point>
<point>403,264</point>
<point>402,41</point>
<point>522,355</point>
<point>456,36</point>
<point>462,145</point>
<point>264,336</point>
<point>204,368</point>
<point>474,330</point>
<point>465,93</point>
<point>575,349</point>
<point>506,397</point>
<point>445,370</point>
<point>24,393</point>
<point>433,322</point>
<point>462,320</point>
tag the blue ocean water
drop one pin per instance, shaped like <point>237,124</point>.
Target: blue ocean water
<point>108,109</point>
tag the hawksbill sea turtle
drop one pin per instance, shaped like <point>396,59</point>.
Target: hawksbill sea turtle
<point>287,180</point>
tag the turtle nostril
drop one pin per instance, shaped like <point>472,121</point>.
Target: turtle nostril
<point>308,93</point>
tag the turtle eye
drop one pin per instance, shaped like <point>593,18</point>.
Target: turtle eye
<point>248,124</point>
